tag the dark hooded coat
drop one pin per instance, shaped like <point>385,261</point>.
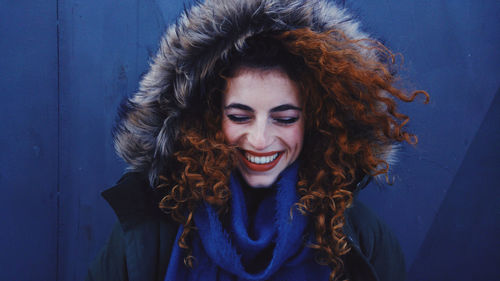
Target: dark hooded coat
<point>139,246</point>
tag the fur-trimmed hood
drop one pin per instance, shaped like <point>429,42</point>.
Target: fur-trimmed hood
<point>189,50</point>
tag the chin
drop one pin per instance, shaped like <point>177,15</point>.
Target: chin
<point>259,182</point>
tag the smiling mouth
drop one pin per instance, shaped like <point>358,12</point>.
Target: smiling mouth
<point>261,162</point>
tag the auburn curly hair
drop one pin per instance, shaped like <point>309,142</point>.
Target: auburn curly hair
<point>351,117</point>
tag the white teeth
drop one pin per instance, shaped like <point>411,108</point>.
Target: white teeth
<point>261,160</point>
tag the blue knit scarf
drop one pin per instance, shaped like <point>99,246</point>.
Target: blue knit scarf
<point>269,247</point>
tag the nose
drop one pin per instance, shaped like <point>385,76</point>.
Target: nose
<point>259,135</point>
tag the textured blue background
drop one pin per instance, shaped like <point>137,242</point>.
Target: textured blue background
<point>66,64</point>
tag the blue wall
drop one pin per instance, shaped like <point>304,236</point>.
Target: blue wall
<point>66,64</point>
<point>28,141</point>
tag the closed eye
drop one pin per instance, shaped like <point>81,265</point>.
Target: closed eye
<point>286,120</point>
<point>238,118</point>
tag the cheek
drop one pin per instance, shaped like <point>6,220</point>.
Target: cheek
<point>294,137</point>
<point>298,137</point>
<point>230,131</point>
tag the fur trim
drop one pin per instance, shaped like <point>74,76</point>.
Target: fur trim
<point>189,49</point>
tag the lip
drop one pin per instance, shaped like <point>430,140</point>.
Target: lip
<point>261,167</point>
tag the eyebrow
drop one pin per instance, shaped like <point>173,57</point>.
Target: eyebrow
<point>285,107</point>
<point>279,108</point>
<point>239,106</point>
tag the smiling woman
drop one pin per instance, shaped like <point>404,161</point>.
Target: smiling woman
<point>255,129</point>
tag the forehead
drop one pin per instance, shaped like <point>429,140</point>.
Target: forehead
<point>261,88</point>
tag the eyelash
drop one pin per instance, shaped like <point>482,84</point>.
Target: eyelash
<point>287,121</point>
<point>238,118</point>
<point>243,119</point>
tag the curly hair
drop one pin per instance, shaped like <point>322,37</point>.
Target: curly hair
<point>351,117</point>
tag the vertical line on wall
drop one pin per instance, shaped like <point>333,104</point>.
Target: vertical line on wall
<point>58,208</point>
<point>137,18</point>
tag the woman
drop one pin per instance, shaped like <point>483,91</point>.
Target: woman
<point>248,139</point>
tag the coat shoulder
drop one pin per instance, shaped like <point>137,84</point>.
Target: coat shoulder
<point>110,263</point>
<point>140,243</point>
<point>374,240</point>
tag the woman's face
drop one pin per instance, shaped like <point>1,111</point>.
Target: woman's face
<point>263,118</point>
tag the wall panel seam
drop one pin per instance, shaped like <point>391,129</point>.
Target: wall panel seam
<point>59,123</point>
